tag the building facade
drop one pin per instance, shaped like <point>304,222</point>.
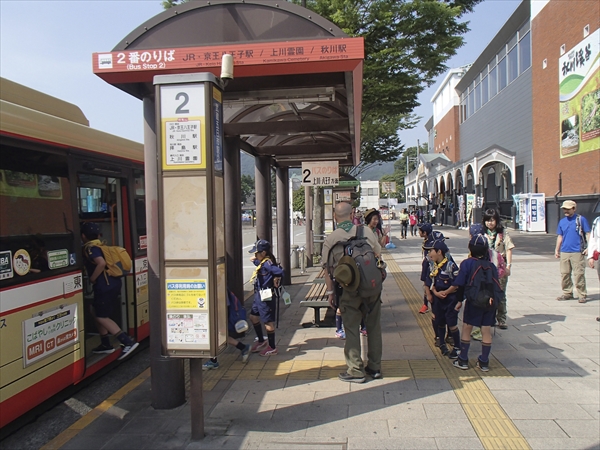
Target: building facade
<point>504,112</point>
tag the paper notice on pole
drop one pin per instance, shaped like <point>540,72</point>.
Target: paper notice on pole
<point>183,142</point>
<point>187,328</point>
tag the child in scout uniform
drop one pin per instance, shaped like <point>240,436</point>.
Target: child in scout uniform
<point>425,230</point>
<point>439,283</point>
<point>472,315</point>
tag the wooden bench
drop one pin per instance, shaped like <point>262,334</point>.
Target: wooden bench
<point>316,298</point>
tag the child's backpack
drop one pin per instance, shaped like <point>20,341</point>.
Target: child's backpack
<point>236,313</point>
<point>118,261</point>
<point>582,237</point>
<point>359,249</point>
<point>412,219</point>
<point>482,286</point>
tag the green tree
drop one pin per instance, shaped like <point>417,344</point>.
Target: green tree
<point>247,188</point>
<point>400,171</point>
<point>299,201</point>
<point>407,44</point>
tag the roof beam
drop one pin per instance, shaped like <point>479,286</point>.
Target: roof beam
<point>286,127</point>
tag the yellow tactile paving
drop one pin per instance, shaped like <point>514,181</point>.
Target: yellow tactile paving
<point>491,423</point>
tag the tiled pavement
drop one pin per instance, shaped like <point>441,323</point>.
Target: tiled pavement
<point>542,390</point>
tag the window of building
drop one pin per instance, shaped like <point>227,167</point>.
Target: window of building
<point>502,79</point>
<point>477,96</point>
<point>484,91</point>
<point>525,53</point>
<point>373,192</point>
<point>493,82</point>
<point>513,64</point>
<point>471,104</point>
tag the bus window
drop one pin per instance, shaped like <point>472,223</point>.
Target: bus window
<point>36,217</point>
<point>139,199</point>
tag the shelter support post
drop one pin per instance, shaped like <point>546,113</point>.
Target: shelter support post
<point>233,216</point>
<point>308,206</point>
<point>513,209</point>
<point>196,399</point>
<point>262,179</point>
<point>318,224</point>
<point>283,219</point>
<point>168,381</point>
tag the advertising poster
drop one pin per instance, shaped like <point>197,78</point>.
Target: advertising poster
<point>470,206</point>
<point>186,294</point>
<point>47,334</point>
<point>187,328</point>
<point>579,89</point>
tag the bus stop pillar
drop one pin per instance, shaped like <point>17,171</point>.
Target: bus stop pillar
<point>264,224</point>
<point>168,380</point>
<point>283,220</point>
<point>233,216</point>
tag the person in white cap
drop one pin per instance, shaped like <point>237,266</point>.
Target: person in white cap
<point>573,233</point>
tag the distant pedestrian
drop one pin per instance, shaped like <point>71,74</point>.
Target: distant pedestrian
<point>107,290</point>
<point>404,221</point>
<point>374,222</point>
<point>433,213</point>
<point>594,246</point>
<point>266,277</point>
<point>413,220</point>
<point>573,233</point>
<point>500,241</point>
<point>351,304</point>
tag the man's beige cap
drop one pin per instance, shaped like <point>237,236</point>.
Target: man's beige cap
<point>568,204</point>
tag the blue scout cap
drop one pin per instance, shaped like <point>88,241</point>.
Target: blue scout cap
<point>479,240</point>
<point>90,228</point>
<point>425,228</point>
<point>436,244</point>
<point>261,246</point>
<point>476,229</point>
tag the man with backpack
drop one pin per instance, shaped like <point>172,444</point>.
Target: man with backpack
<point>107,289</point>
<point>358,289</point>
<point>573,234</point>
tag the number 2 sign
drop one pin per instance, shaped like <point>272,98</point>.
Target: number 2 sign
<point>183,120</point>
<point>320,173</point>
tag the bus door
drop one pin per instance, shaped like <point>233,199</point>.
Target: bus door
<point>101,199</point>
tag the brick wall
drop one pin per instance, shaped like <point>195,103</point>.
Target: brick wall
<point>560,22</point>
<point>447,135</point>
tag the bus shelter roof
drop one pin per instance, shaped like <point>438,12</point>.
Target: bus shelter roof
<point>297,91</point>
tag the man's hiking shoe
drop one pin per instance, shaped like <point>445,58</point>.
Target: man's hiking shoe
<point>375,374</point>
<point>565,297</point>
<point>258,346</point>
<point>437,342</point>
<point>484,366</point>
<point>245,353</point>
<point>444,350</point>
<point>476,334</point>
<point>502,326</point>
<point>583,299</point>
<point>209,365</point>
<point>454,353</point>
<point>269,351</point>
<point>127,350</point>
<point>423,309</point>
<point>103,349</point>
<point>461,364</point>
<point>340,334</point>
<point>345,376</point>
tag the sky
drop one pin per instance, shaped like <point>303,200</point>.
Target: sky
<point>48,45</point>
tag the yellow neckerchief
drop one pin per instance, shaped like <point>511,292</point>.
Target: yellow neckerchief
<point>437,267</point>
<point>255,274</point>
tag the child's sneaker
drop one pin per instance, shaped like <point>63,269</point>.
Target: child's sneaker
<point>423,309</point>
<point>484,366</point>
<point>461,363</point>
<point>258,346</point>
<point>103,349</point>
<point>341,334</point>
<point>269,351</point>
<point>450,341</point>
<point>363,331</point>
<point>444,349</point>
<point>127,350</point>
<point>210,365</point>
<point>245,353</point>
<point>454,353</point>
<point>437,342</point>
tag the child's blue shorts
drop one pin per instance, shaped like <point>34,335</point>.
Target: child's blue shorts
<point>479,317</point>
<point>265,310</point>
